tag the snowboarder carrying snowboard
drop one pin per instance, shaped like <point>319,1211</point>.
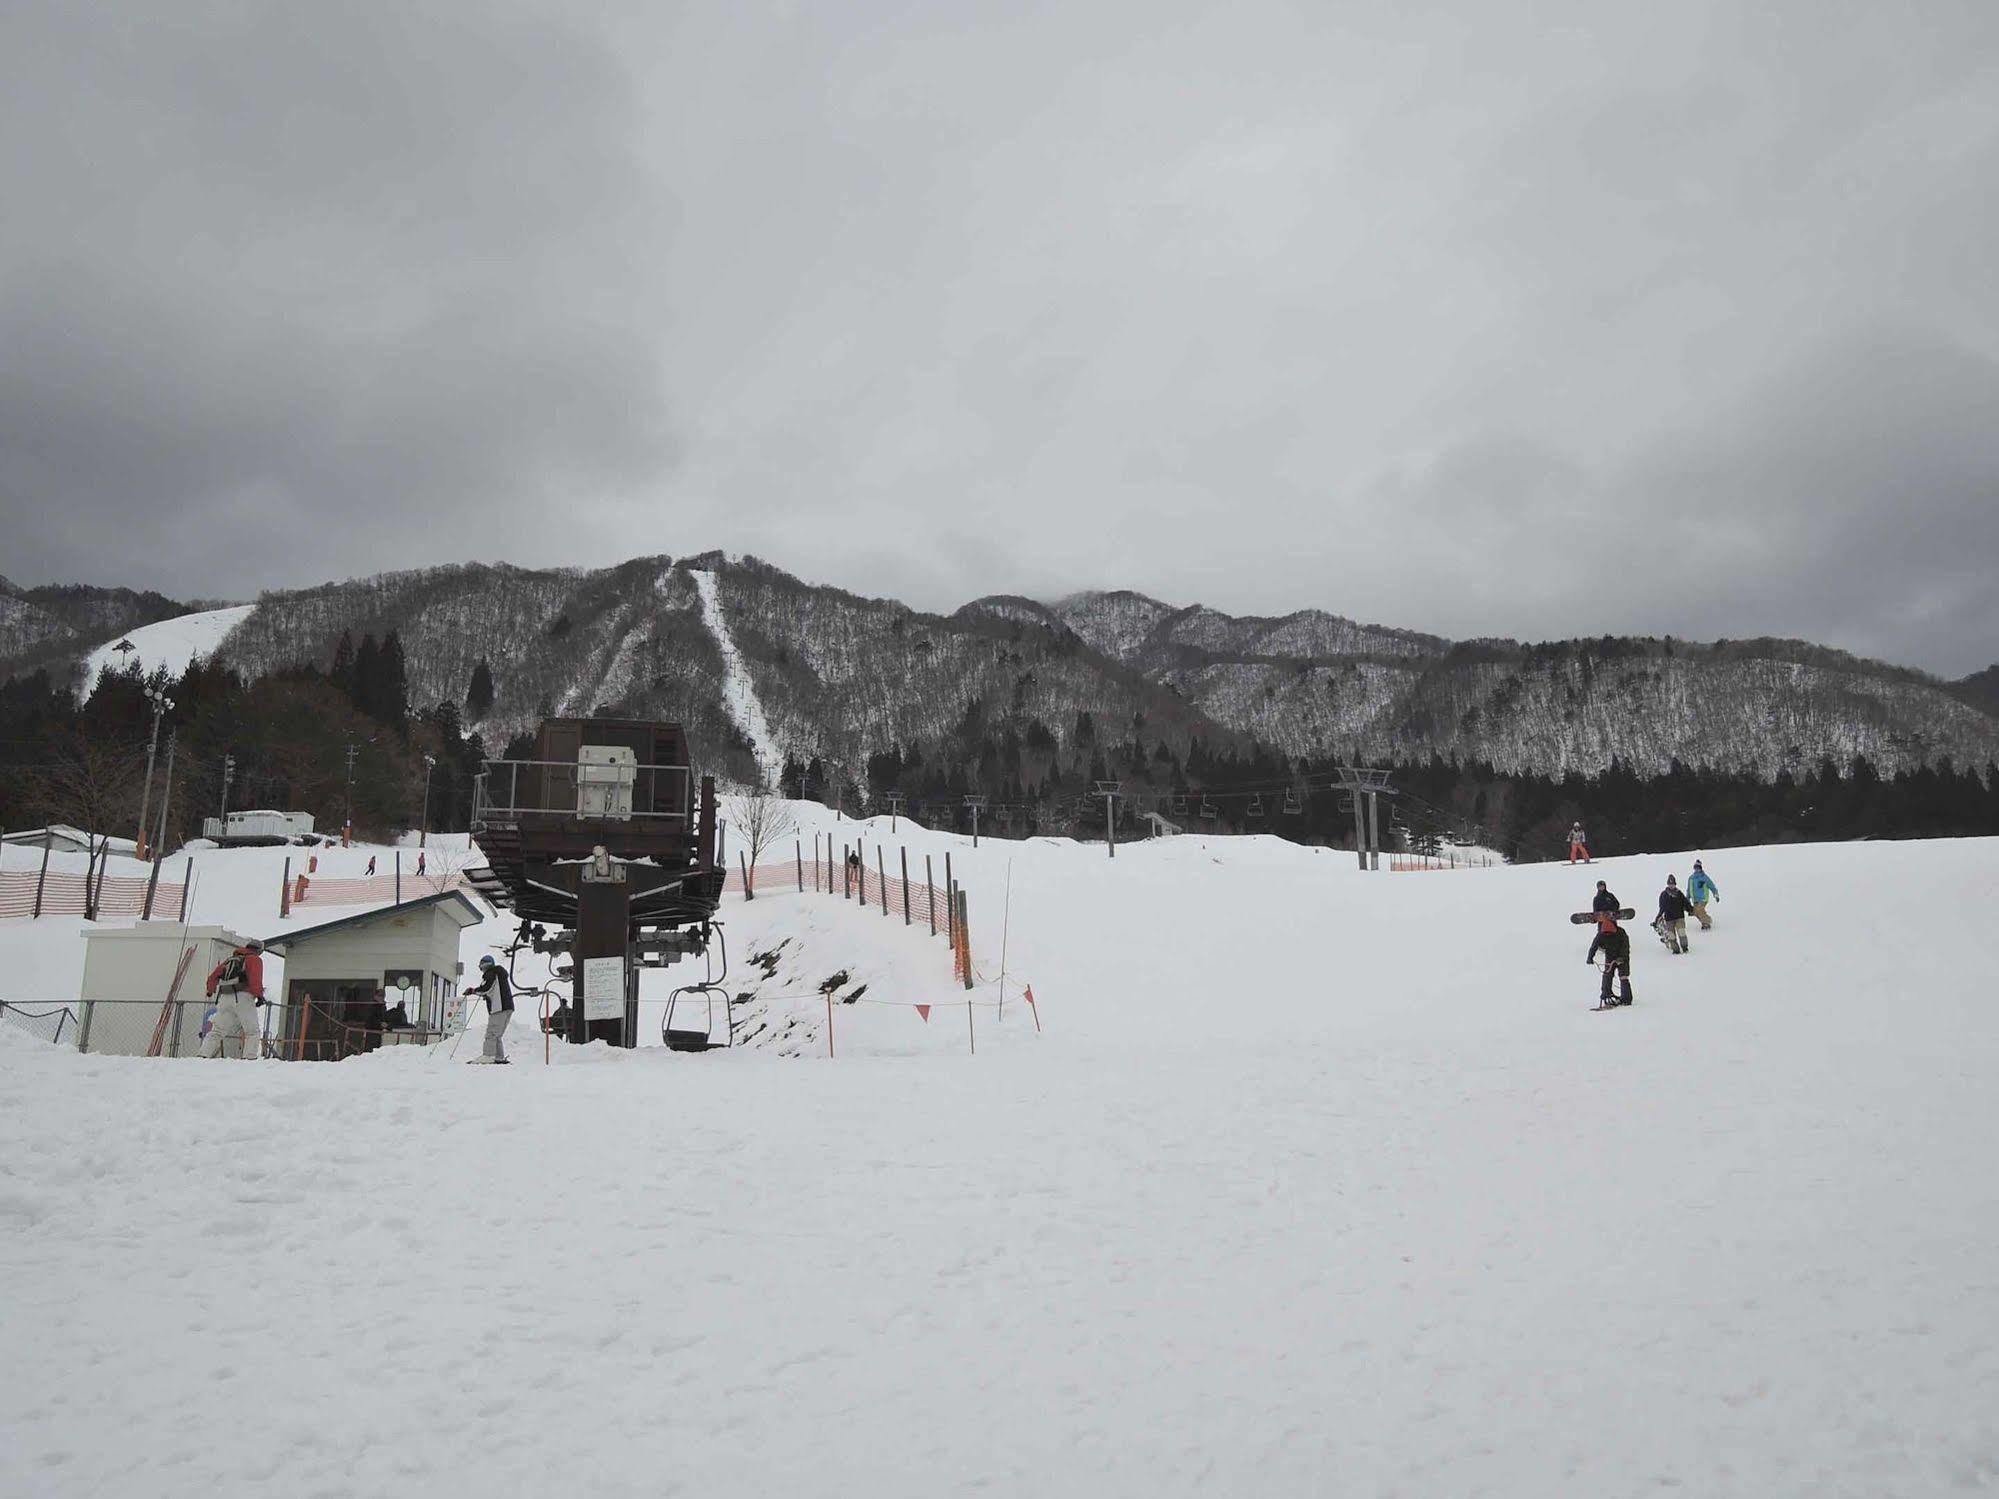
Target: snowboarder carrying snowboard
<point>1671,923</point>
<point>498,992</point>
<point>1615,944</point>
<point>1605,901</point>
<point>1701,890</point>
<point>236,984</point>
<point>1578,844</point>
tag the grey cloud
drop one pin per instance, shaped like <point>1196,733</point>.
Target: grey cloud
<point>1432,315</point>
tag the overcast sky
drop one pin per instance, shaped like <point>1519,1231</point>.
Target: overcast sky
<point>1474,317</point>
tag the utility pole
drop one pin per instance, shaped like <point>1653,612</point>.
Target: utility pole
<point>975,803</point>
<point>423,832</point>
<point>166,793</point>
<point>228,775</point>
<point>1110,791</point>
<point>895,800</point>
<point>347,832</point>
<point>162,705</point>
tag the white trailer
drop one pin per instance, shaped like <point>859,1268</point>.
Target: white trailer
<point>258,826</point>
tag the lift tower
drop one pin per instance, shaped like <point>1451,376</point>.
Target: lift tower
<point>606,849</point>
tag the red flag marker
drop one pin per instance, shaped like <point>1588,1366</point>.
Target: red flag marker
<point>1028,995</point>
<point>924,1011</point>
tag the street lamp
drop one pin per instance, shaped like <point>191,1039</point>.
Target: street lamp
<point>162,705</point>
<point>423,833</point>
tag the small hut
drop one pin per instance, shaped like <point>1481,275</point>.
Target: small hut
<point>380,977</point>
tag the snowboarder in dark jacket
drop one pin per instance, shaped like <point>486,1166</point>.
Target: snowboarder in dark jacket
<point>1615,944</point>
<point>1605,901</point>
<point>1671,924</point>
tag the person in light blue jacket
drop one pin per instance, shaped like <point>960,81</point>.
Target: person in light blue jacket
<point>1701,890</point>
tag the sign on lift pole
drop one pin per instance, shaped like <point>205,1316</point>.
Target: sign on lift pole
<point>975,803</point>
<point>1110,791</point>
<point>1365,787</point>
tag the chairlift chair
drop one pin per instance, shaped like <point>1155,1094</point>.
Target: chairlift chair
<point>1293,805</point>
<point>1256,805</point>
<point>1208,808</point>
<point>1179,805</point>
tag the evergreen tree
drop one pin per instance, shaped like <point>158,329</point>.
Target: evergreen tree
<point>479,696</point>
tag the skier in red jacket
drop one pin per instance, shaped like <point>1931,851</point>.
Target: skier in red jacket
<point>236,984</point>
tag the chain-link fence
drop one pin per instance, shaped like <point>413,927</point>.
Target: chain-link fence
<point>152,1028</point>
<point>52,1022</point>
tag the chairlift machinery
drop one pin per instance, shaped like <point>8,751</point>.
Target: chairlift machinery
<point>606,848</point>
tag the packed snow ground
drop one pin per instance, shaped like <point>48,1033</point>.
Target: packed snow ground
<point>1315,1183</point>
<point>172,643</point>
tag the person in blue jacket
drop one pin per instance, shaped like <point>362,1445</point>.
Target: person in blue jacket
<point>1701,890</point>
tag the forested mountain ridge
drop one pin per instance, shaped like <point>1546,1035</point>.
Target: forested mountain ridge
<point>846,678</point>
<point>55,625</point>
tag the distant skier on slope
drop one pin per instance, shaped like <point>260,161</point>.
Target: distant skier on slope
<point>1578,843</point>
<point>1671,923</point>
<point>1615,944</point>
<point>236,984</point>
<point>1701,890</point>
<point>498,991</point>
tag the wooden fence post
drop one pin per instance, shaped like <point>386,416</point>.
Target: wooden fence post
<point>930,893</point>
<point>965,935</point>
<point>743,861</point>
<point>284,893</point>
<point>905,884</point>
<point>399,876</point>
<point>881,878</point>
<point>950,900</point>
<point>798,847</point>
<point>43,878</point>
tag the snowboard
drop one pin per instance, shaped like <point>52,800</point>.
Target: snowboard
<point>1584,918</point>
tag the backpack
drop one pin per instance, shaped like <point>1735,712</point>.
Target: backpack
<point>233,972</point>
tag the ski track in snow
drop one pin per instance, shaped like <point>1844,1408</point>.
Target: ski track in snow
<point>739,694</point>
<point>171,643</point>
<point>1317,1183</point>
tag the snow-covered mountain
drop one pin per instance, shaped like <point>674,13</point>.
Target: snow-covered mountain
<point>52,627</point>
<point>770,666</point>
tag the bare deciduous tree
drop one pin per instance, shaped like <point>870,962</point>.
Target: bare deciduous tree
<point>761,819</point>
<point>94,785</point>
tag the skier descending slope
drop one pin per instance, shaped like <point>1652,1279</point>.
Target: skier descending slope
<point>1701,890</point>
<point>236,984</point>
<point>498,992</point>
<point>1615,945</point>
<point>1671,923</point>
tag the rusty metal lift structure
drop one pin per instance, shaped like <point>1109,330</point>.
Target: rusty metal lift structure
<point>605,848</point>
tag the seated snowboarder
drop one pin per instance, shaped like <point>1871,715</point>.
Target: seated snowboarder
<point>1671,923</point>
<point>1605,901</point>
<point>1701,890</point>
<point>1615,944</point>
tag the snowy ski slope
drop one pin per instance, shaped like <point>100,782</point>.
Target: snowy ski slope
<point>739,693</point>
<point>1316,1183</point>
<point>172,643</point>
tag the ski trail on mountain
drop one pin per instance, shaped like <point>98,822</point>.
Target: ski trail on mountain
<point>739,695</point>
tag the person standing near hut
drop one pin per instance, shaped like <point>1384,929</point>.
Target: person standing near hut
<point>236,984</point>
<point>498,991</point>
